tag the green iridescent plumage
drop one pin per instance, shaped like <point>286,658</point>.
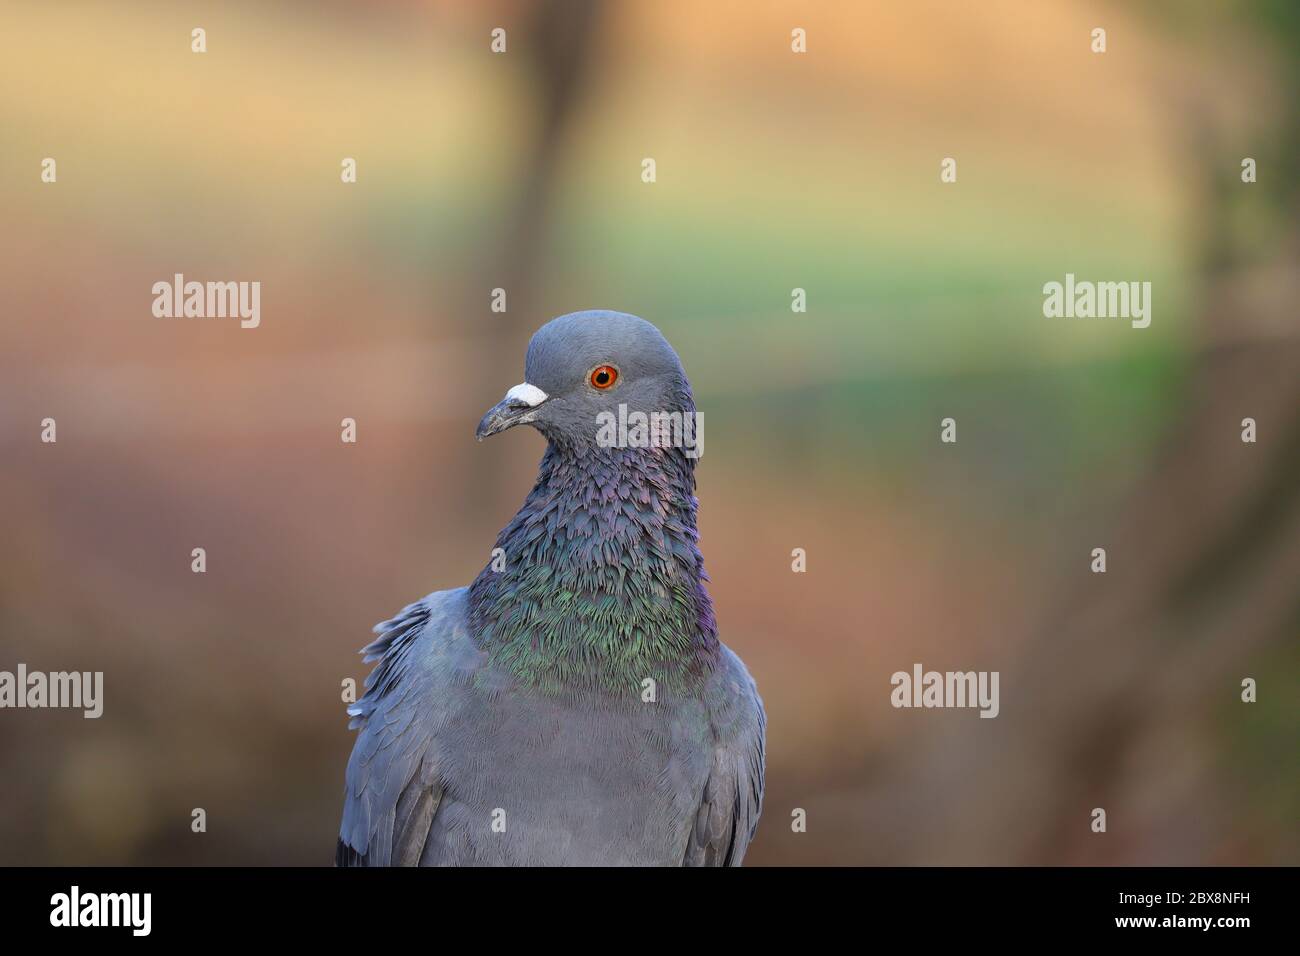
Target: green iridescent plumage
<point>602,583</point>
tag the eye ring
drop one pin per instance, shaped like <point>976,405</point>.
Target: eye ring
<point>603,377</point>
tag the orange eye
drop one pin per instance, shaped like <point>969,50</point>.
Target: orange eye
<point>603,376</point>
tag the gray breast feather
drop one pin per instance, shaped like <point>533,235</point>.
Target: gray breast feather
<point>443,738</point>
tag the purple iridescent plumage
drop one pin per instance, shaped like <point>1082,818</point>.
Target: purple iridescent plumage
<point>602,570</point>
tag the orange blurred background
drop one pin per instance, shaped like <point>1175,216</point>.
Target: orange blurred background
<point>775,171</point>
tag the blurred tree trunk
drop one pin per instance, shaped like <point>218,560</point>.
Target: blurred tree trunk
<point>558,45</point>
<point>561,46</point>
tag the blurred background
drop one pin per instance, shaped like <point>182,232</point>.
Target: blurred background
<point>774,171</point>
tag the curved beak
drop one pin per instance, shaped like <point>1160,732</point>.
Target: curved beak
<point>518,408</point>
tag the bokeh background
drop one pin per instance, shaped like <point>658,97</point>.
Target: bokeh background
<point>775,171</point>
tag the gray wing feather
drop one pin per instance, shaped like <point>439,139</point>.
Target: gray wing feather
<point>392,785</point>
<point>733,795</point>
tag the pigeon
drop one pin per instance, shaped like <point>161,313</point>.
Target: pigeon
<point>573,706</point>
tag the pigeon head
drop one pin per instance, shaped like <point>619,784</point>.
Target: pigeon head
<point>588,363</point>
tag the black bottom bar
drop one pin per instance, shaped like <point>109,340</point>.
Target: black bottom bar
<point>237,905</point>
